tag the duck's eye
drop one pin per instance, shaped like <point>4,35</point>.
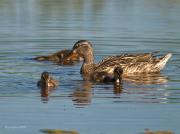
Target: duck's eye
<point>78,45</point>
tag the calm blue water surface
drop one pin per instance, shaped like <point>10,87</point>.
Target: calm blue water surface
<point>29,28</point>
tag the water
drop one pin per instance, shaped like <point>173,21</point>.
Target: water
<point>29,28</point>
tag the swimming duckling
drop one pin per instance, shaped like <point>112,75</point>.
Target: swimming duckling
<point>61,56</point>
<point>55,57</point>
<point>47,81</point>
<point>130,63</point>
<point>106,77</point>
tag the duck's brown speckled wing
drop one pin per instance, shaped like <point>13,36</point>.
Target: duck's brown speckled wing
<point>109,63</point>
<point>134,63</point>
<point>129,57</point>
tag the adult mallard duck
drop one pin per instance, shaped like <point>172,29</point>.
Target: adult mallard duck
<point>130,63</point>
<point>47,81</point>
<point>59,57</point>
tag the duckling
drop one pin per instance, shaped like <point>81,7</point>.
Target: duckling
<point>47,81</point>
<point>61,56</point>
<point>118,71</point>
<point>130,63</point>
<point>55,57</point>
<point>106,77</point>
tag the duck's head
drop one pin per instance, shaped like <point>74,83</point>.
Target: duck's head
<point>83,48</point>
<point>45,76</point>
<point>118,71</point>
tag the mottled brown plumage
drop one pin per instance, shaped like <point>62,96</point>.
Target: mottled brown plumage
<point>61,56</point>
<point>130,63</point>
<point>88,69</point>
<point>55,57</point>
<point>134,63</point>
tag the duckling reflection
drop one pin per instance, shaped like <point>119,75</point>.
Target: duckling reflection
<point>118,88</point>
<point>45,94</point>
<point>83,95</point>
<point>47,84</point>
<point>147,79</point>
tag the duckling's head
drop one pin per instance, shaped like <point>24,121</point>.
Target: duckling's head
<point>45,76</point>
<point>118,71</point>
<point>82,47</point>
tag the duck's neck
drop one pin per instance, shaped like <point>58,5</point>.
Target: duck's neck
<point>89,59</point>
<point>88,64</point>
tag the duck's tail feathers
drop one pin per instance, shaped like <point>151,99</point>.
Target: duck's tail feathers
<point>163,60</point>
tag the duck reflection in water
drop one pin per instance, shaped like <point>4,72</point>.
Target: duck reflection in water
<point>47,85</point>
<point>83,94</point>
<point>45,92</point>
<point>147,79</point>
